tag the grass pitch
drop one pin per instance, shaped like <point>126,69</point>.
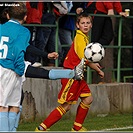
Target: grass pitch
<point>117,122</point>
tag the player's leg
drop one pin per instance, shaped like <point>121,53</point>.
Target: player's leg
<point>19,113</point>
<point>17,119</point>
<point>76,73</point>
<point>14,109</point>
<point>4,126</point>
<point>54,117</point>
<point>8,96</point>
<point>13,112</point>
<point>3,110</point>
<point>14,106</point>
<point>83,109</point>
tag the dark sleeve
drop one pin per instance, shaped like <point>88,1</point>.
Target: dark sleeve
<point>33,50</point>
<point>34,72</point>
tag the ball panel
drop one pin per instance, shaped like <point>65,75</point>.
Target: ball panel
<point>96,48</point>
<point>96,57</point>
<point>94,52</point>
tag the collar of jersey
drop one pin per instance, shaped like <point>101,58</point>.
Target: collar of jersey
<point>81,33</point>
<point>14,21</point>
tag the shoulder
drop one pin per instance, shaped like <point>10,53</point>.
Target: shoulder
<point>24,31</point>
<point>81,37</point>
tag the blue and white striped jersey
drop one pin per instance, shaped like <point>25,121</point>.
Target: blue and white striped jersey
<point>14,39</point>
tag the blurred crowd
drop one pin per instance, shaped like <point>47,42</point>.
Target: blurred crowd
<point>44,38</point>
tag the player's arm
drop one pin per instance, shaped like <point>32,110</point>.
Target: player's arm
<point>33,50</point>
<point>96,67</point>
<point>79,45</point>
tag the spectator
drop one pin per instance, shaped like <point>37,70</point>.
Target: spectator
<point>102,30</point>
<point>48,33</point>
<point>52,11</point>
<point>66,27</point>
<point>34,15</point>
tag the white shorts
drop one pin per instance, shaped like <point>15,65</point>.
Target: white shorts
<point>10,88</point>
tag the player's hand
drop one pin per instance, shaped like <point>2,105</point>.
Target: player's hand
<point>53,55</point>
<point>98,65</point>
<point>101,74</point>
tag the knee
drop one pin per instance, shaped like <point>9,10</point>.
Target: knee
<point>66,106</point>
<point>87,100</point>
<point>14,109</point>
<point>3,109</point>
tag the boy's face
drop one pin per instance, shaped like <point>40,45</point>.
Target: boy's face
<point>84,25</point>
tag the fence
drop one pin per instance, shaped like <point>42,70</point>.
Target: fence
<point>119,47</point>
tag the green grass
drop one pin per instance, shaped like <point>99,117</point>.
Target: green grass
<point>91,123</point>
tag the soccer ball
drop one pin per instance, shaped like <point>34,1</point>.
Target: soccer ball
<point>94,52</point>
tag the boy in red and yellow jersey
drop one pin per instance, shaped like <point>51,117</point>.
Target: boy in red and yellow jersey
<point>71,89</point>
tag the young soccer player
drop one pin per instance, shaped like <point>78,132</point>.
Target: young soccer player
<point>72,89</point>
<point>14,39</point>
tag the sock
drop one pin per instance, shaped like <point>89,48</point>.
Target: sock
<point>17,118</point>
<point>53,117</point>
<point>4,126</point>
<point>80,116</point>
<point>58,73</point>
<point>12,119</point>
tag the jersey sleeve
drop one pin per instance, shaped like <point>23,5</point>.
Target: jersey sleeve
<point>80,43</point>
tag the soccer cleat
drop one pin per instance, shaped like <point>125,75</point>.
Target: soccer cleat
<point>37,130</point>
<point>83,129</point>
<point>79,70</point>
